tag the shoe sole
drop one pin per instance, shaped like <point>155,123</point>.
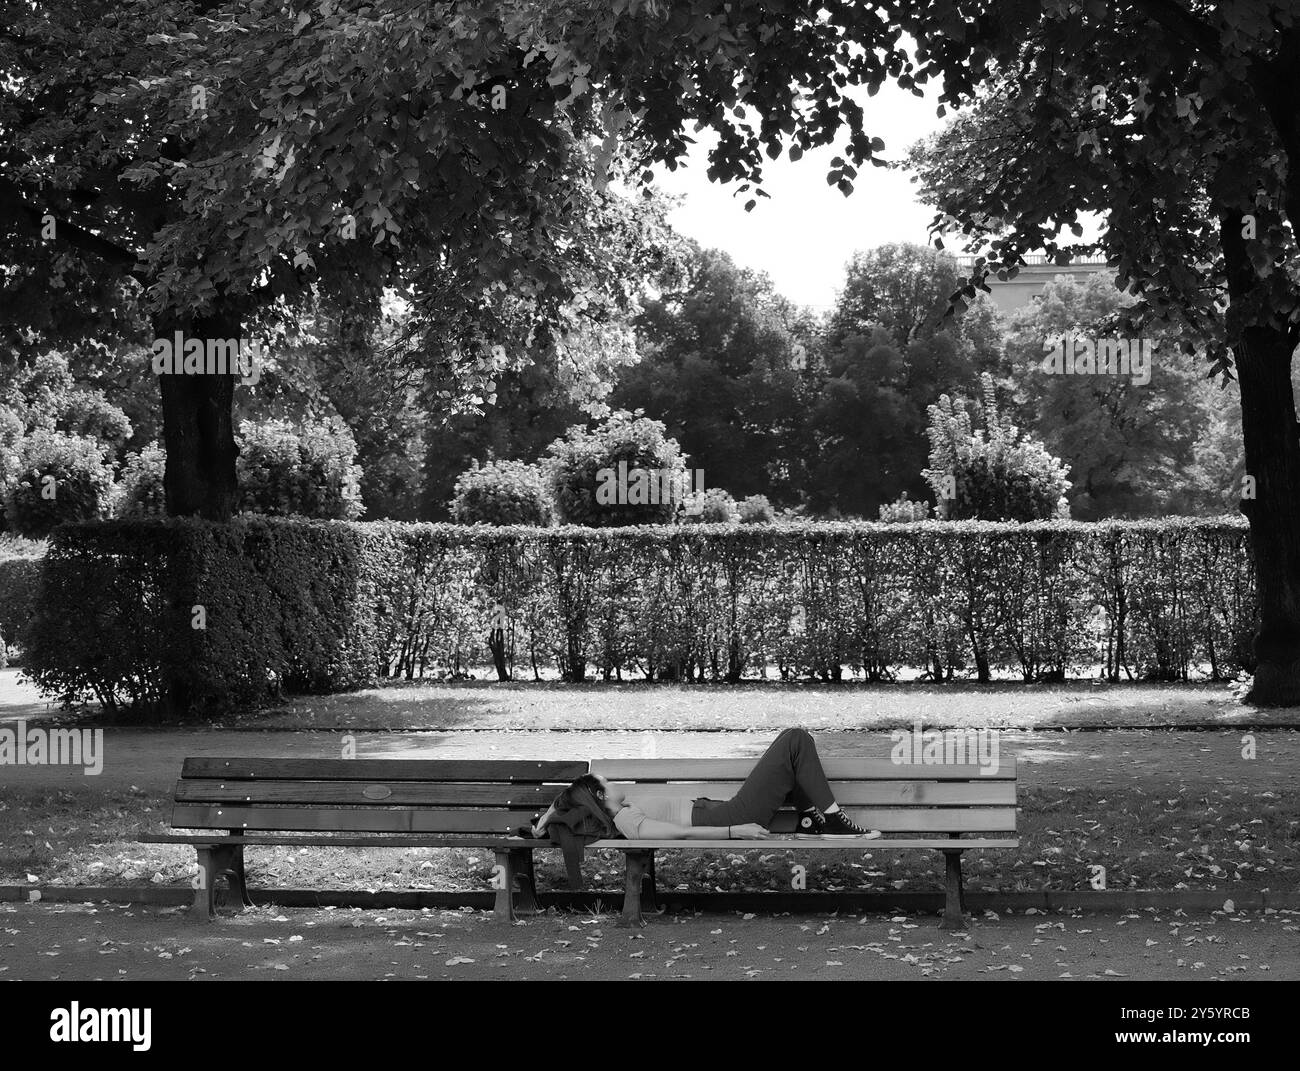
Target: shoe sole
<point>837,836</point>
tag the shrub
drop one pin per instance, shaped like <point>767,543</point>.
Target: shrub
<point>140,491</point>
<point>711,506</point>
<point>615,452</point>
<point>304,470</point>
<point>902,511</point>
<point>19,582</point>
<point>501,492</point>
<point>991,473</point>
<point>756,509</point>
<point>202,618</point>
<point>58,478</point>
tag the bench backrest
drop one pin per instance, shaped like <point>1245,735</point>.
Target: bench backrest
<point>875,793</point>
<point>496,796</point>
<point>366,795</point>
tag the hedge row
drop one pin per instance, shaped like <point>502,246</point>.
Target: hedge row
<point>208,617</point>
<point>19,582</point>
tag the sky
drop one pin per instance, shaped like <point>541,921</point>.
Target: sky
<point>804,235</point>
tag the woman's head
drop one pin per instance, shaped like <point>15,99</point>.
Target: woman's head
<point>607,794</point>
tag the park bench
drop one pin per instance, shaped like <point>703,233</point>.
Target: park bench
<point>479,803</point>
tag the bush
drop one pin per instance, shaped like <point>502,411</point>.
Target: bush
<point>305,470</point>
<point>991,473</point>
<point>501,492</point>
<point>903,511</point>
<point>19,582</point>
<point>202,618</point>
<point>711,506</point>
<point>140,491</point>
<point>756,509</point>
<point>58,478</point>
<point>322,606</point>
<point>610,458</point>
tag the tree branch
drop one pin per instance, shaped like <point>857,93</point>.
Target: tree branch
<point>14,206</point>
<point>1180,22</point>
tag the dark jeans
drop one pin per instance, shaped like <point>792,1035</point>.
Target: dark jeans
<point>789,770</point>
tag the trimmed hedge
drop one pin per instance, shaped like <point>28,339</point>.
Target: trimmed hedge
<point>323,606</point>
<point>278,604</point>
<point>19,583</point>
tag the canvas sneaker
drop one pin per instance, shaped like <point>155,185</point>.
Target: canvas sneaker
<point>812,823</point>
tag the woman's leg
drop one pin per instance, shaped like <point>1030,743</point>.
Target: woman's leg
<point>789,769</point>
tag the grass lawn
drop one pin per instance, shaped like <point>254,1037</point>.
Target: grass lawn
<point>481,705</point>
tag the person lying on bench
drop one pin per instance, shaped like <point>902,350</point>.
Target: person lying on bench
<point>789,768</point>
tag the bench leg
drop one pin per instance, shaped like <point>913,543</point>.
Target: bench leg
<point>238,882</point>
<point>649,890</point>
<point>204,909</point>
<point>954,910</point>
<point>636,865</point>
<point>526,882</point>
<point>505,902</point>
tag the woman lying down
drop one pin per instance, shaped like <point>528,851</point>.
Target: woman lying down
<point>790,768</point>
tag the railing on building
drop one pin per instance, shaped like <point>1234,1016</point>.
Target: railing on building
<point>1033,259</point>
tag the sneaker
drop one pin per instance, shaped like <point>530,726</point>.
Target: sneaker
<point>813,823</point>
<point>810,823</point>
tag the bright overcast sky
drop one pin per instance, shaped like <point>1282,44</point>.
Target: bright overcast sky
<point>805,233</point>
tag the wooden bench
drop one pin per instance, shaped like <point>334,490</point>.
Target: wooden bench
<point>934,807</point>
<point>381,803</point>
<point>362,803</point>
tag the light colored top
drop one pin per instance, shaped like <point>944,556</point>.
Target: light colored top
<point>675,809</point>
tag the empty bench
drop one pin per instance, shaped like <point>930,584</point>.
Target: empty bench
<point>433,803</point>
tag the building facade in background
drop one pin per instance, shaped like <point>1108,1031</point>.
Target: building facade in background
<point>1037,271</point>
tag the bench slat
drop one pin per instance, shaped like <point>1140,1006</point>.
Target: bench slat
<point>405,841</point>
<point>919,819</point>
<point>363,793</point>
<point>453,793</point>
<point>502,770</point>
<point>409,820</point>
<point>837,769</point>
<point>370,820</point>
<point>780,844</point>
<point>872,793</point>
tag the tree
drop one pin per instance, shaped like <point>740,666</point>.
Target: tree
<point>228,167</point>
<point>890,352</point>
<point>1130,436</point>
<point>720,364</point>
<point>905,289</point>
<point>1179,124</point>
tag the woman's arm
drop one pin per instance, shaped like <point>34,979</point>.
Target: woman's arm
<point>655,830</point>
<point>540,828</point>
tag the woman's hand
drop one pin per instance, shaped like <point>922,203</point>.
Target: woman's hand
<point>749,831</point>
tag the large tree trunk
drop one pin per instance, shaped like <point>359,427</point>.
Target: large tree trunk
<point>1272,441</point>
<point>198,433</point>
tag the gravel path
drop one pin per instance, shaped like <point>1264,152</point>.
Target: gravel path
<point>117,942</point>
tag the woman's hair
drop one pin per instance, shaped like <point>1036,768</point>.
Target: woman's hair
<point>565,802</point>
